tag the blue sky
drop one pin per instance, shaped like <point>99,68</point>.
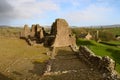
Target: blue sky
<point>44,12</point>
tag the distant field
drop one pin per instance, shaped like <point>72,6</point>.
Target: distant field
<point>114,30</point>
<point>13,32</point>
<point>105,34</point>
<point>103,50</point>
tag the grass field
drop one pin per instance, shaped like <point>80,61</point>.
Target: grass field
<point>103,50</point>
<point>114,30</point>
<point>105,34</point>
<point>18,60</point>
<point>13,32</point>
<point>20,47</point>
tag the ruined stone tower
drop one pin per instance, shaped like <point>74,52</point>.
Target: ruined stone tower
<point>26,32</point>
<point>63,35</point>
<point>33,30</point>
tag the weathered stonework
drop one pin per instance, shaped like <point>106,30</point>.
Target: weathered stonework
<point>104,64</point>
<point>63,35</point>
<point>33,30</point>
<point>26,32</point>
<point>88,36</point>
<point>41,34</point>
<point>60,35</point>
<point>35,36</point>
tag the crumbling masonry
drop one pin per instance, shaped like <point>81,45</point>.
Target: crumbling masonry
<point>60,35</point>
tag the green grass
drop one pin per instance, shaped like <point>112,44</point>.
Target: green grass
<point>114,42</point>
<point>10,31</point>
<point>103,50</point>
<point>17,47</point>
<point>115,30</point>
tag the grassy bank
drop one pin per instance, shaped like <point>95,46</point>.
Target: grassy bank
<point>103,50</point>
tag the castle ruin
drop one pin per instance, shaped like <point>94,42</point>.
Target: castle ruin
<point>59,36</point>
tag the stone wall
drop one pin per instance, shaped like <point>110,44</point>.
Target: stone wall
<point>104,64</point>
<point>33,31</point>
<point>37,31</point>
<point>26,32</point>
<point>63,35</point>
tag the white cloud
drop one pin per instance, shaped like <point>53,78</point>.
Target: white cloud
<point>26,9</point>
<point>91,14</point>
<point>75,11</point>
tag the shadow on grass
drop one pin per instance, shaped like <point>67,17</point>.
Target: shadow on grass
<point>115,54</point>
<point>17,73</point>
<point>66,54</point>
<point>84,42</point>
<point>3,77</point>
<point>22,38</point>
<point>67,60</point>
<point>39,68</point>
<point>109,44</point>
